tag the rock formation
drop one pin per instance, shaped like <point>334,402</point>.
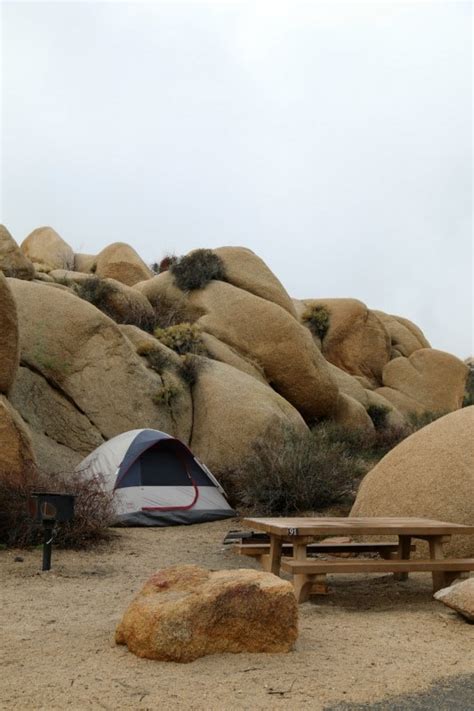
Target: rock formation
<point>186,612</point>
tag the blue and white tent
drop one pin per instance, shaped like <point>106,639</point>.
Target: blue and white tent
<point>156,480</point>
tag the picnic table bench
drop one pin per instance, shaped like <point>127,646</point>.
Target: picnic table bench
<point>296,536</point>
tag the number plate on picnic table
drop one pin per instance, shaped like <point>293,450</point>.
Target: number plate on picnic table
<point>292,531</point>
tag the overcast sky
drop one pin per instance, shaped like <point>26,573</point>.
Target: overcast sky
<point>333,139</point>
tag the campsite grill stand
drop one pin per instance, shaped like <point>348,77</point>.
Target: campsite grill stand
<point>49,509</point>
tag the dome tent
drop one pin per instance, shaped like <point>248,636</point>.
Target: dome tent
<point>156,480</point>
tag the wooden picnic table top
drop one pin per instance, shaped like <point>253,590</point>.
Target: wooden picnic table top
<point>322,526</point>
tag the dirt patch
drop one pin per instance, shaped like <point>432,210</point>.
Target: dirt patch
<point>371,639</point>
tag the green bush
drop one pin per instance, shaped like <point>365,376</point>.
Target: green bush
<point>182,338</point>
<point>197,269</point>
<point>317,319</point>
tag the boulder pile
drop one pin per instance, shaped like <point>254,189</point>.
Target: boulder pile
<point>79,361</point>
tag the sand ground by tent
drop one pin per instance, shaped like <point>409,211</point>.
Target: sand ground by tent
<point>371,639</point>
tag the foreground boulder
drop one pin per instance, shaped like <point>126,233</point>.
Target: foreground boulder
<point>459,597</point>
<point>9,347</point>
<point>185,612</point>
<point>430,474</point>
<point>47,250</point>
<point>13,262</point>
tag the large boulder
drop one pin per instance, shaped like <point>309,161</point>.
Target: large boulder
<point>270,335</point>
<point>217,350</point>
<point>247,271</point>
<point>352,415</point>
<point>9,345</point>
<point>429,380</point>
<point>185,612</point>
<point>13,262</point>
<point>47,250</point>
<point>459,597</point>
<point>16,451</point>
<point>231,410</point>
<point>85,263</point>
<point>356,340</point>
<point>120,261</point>
<point>405,336</point>
<point>430,474</point>
<point>261,331</point>
<point>84,357</point>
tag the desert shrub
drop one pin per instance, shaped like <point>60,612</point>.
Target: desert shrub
<point>157,359</point>
<point>167,262</point>
<point>418,420</point>
<point>169,312</point>
<point>317,319</point>
<point>165,395</point>
<point>93,510</point>
<point>469,389</point>
<point>197,269</point>
<point>296,473</point>
<point>182,338</point>
<point>378,414</point>
<point>97,292</point>
<point>190,368</point>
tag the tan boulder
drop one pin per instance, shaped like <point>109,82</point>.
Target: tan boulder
<point>356,340</point>
<point>68,276</point>
<point>231,410</point>
<point>218,350</point>
<point>405,336</point>
<point>459,597</point>
<point>259,330</point>
<point>429,380</point>
<point>42,276</point>
<point>13,262</point>
<point>47,250</point>
<point>393,417</point>
<point>185,612</point>
<point>120,261</point>
<point>348,384</point>
<point>83,354</point>
<point>430,474</point>
<point>266,333</point>
<point>9,346</point>
<point>247,271</point>
<point>85,263</point>
<point>351,414</point>
<point>121,302</point>
<point>49,412</point>
<point>16,452</point>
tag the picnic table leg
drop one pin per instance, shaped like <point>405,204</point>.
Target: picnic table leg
<point>404,546</point>
<point>302,583</point>
<point>440,579</point>
<point>274,559</point>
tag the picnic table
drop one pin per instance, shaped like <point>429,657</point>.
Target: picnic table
<point>297,535</point>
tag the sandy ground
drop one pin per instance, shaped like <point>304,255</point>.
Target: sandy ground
<point>370,640</point>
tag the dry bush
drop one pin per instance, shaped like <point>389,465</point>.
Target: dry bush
<point>168,312</point>
<point>182,338</point>
<point>197,269</point>
<point>190,368</point>
<point>292,474</point>
<point>114,303</point>
<point>317,319</point>
<point>157,359</point>
<point>93,510</point>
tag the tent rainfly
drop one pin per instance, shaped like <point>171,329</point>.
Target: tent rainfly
<point>156,480</point>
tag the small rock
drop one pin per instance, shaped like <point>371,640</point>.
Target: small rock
<point>459,597</point>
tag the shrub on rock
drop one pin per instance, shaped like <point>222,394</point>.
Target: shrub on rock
<point>186,612</point>
<point>196,269</point>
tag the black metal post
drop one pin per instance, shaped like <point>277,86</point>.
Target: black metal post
<point>47,544</point>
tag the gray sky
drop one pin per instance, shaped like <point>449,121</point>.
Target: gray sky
<point>333,139</point>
